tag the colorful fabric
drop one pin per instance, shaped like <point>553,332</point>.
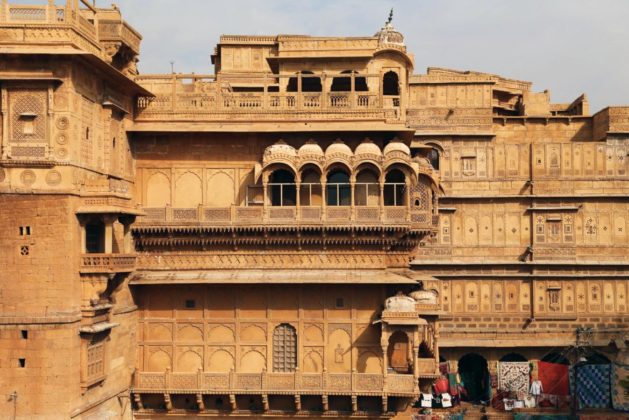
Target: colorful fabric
<point>444,368</point>
<point>620,387</point>
<point>513,376</point>
<point>593,389</point>
<point>454,385</point>
<point>524,416</point>
<point>554,377</point>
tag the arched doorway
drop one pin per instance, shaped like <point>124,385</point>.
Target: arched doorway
<point>398,352</point>
<point>390,84</point>
<point>555,358</point>
<point>475,376</point>
<point>513,357</point>
<point>309,83</point>
<point>344,83</point>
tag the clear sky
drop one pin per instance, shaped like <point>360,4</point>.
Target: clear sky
<point>567,46</point>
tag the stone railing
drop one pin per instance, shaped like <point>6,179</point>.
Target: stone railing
<point>50,24</point>
<point>280,215</point>
<point>117,30</point>
<point>199,97</point>
<point>107,263</point>
<point>279,383</point>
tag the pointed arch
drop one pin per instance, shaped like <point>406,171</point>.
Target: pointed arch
<point>158,190</point>
<point>188,190</point>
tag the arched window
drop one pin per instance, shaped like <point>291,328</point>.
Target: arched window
<point>284,348</point>
<point>395,188</point>
<point>282,188</point>
<point>310,189</point>
<point>344,83</point>
<point>309,83</point>
<point>433,157</point>
<point>367,189</point>
<point>390,84</point>
<point>338,190</point>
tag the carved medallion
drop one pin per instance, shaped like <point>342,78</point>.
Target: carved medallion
<point>63,123</point>
<point>53,178</point>
<point>28,177</point>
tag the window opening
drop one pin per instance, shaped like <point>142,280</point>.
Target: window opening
<point>338,190</point>
<point>190,304</point>
<point>284,348</point>
<point>22,362</point>
<point>283,188</point>
<point>94,238</point>
<point>395,188</point>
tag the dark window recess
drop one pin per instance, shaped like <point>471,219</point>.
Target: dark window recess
<point>340,302</point>
<point>24,250</point>
<point>95,238</point>
<point>25,230</point>
<point>22,362</point>
<point>25,334</point>
<point>190,304</point>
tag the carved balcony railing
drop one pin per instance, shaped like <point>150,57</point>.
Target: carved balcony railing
<point>276,383</point>
<point>107,263</point>
<point>52,25</point>
<point>119,30</point>
<point>282,215</point>
<point>202,97</point>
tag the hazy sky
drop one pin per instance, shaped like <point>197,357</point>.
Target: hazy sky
<point>567,46</point>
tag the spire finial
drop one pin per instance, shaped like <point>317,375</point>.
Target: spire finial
<point>390,19</point>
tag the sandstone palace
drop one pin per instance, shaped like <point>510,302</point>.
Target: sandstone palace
<point>312,230</point>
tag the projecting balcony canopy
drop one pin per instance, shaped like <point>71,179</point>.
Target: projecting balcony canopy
<point>270,277</point>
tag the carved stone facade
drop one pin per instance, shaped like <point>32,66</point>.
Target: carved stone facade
<point>308,231</point>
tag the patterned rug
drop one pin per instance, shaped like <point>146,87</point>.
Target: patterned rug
<point>593,388</point>
<point>620,387</point>
<point>513,376</point>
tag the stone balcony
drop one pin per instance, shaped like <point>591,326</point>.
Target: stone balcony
<point>107,263</point>
<point>403,385</point>
<point>243,216</point>
<point>202,98</point>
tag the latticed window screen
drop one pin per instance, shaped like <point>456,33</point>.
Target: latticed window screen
<point>95,359</point>
<point>284,348</point>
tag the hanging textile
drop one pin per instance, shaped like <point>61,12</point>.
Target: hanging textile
<point>593,390</point>
<point>620,387</point>
<point>444,368</point>
<point>513,376</point>
<point>554,377</point>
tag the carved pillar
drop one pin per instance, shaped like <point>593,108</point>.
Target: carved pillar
<point>297,402</point>
<point>297,194</point>
<point>352,90</point>
<point>168,402</point>
<point>381,198</point>
<point>200,402</point>
<point>109,233</point>
<point>324,196</point>
<point>138,401</point>
<point>352,187</point>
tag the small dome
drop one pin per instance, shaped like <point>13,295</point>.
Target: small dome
<point>309,149</point>
<point>338,147</point>
<point>397,146</point>
<point>388,35</point>
<point>368,147</point>
<point>280,148</point>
